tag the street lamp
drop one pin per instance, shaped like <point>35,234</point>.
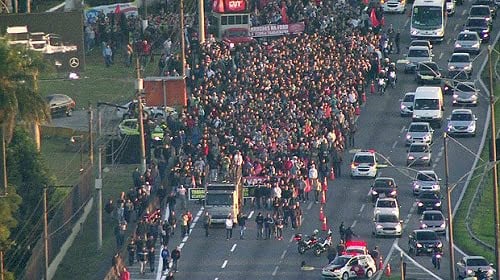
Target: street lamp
<point>75,139</point>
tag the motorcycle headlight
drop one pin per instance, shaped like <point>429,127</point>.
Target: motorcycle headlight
<point>374,192</point>
<point>438,204</point>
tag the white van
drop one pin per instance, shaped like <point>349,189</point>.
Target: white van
<point>18,35</point>
<point>428,105</point>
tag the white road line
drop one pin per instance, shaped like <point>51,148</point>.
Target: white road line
<point>283,254</point>
<point>354,223</point>
<point>310,205</point>
<point>394,145</point>
<point>403,129</point>
<point>185,239</point>
<point>407,21</point>
<point>441,55</point>
<point>181,245</point>
<point>224,264</point>
<point>362,207</point>
<point>440,153</point>
<point>434,165</point>
<point>275,270</point>
<point>455,28</point>
<point>449,39</point>
<point>370,191</point>
<point>165,215</point>
<point>463,13</point>
<point>234,247</point>
<point>415,262</point>
<point>291,239</point>
<point>251,214</point>
<point>387,258</point>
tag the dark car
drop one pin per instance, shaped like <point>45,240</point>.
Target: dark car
<point>427,73</point>
<point>428,200</point>
<point>383,187</point>
<point>424,241</point>
<point>489,3</point>
<point>60,104</point>
<point>479,25</point>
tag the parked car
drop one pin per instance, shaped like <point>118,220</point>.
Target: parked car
<point>462,122</point>
<point>424,241</point>
<point>468,41</point>
<point>428,73</point>
<point>465,93</point>
<point>433,220</point>
<point>406,104</point>
<point>459,62</point>
<point>419,154</point>
<point>383,187</point>
<point>60,104</point>
<point>428,200</point>
<point>346,267</point>
<point>468,266</point>
<point>426,180</point>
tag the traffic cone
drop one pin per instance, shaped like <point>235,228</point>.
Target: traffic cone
<point>324,226</point>
<point>363,97</point>
<point>380,263</point>
<point>357,111</point>
<point>321,213</point>
<point>388,270</point>
<point>332,174</point>
<point>323,197</point>
<point>372,88</point>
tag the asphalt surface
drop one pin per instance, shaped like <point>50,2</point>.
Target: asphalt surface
<point>380,128</point>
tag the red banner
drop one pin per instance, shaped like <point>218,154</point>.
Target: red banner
<point>229,6</point>
<point>276,29</point>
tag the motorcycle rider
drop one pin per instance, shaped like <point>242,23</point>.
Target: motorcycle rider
<point>259,220</point>
<point>375,253</point>
<point>382,81</point>
<point>436,259</point>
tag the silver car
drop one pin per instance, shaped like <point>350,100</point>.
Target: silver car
<point>433,220</point>
<point>419,132</point>
<point>482,11</point>
<point>419,154</point>
<point>459,62</point>
<point>468,41</point>
<point>462,122</point>
<point>406,104</point>
<point>415,55</point>
<point>465,93</point>
<point>426,180</point>
<point>387,225</point>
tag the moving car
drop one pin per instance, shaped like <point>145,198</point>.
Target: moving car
<point>459,62</point>
<point>406,105</point>
<point>465,93</point>
<point>428,200</point>
<point>462,122</point>
<point>419,132</point>
<point>383,187</point>
<point>364,164</point>
<point>387,205</point>
<point>415,55</point>
<point>490,3</point>
<point>347,267</point>
<point>468,41</point>
<point>433,220</point>
<point>469,265</point>
<point>426,180</point>
<point>424,241</point>
<point>387,225</point>
<point>419,154</point>
<point>450,7</point>
<point>481,11</point>
<point>422,43</point>
<point>60,104</point>
<point>428,73</point>
<point>479,25</point>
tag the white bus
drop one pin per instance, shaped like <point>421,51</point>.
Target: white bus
<point>428,20</point>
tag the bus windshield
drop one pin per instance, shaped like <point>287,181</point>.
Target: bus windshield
<point>427,17</point>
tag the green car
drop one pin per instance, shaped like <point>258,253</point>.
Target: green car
<point>131,127</point>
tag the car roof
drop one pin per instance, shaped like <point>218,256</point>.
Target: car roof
<point>410,93</point>
<point>480,6</point>
<point>432,212</point>
<point>363,153</point>
<point>387,199</point>
<point>420,144</point>
<point>384,178</point>
<point>481,18</point>
<point>426,172</point>
<point>474,257</point>
<point>423,48</point>
<point>460,54</point>
<point>420,123</point>
<point>462,111</point>
<point>468,32</point>
<point>423,230</point>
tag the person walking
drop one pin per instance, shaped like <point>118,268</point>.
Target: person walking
<point>108,55</point>
<point>143,258</point>
<point>207,221</point>
<point>268,225</point>
<point>184,224</point>
<point>165,257</point>
<point>124,275</point>
<point>172,220</point>
<point>349,234</point>
<point>181,194</point>
<point>397,39</point>
<point>151,259</point>
<point>279,227</point>
<point>352,131</point>
<point>241,218</point>
<point>259,220</point>
<point>131,248</point>
<point>229,227</point>
<point>342,231</point>
<point>166,231</point>
<point>176,255</point>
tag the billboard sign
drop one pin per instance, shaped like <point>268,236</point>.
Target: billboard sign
<point>229,6</point>
<point>276,29</point>
<point>57,35</point>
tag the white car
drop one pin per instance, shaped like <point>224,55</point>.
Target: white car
<point>364,164</point>
<point>347,267</point>
<point>419,132</point>
<point>462,122</point>
<point>426,180</point>
<point>386,205</point>
<point>406,104</point>
<point>387,225</point>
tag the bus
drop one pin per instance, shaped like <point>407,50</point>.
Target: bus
<point>230,25</point>
<point>428,20</point>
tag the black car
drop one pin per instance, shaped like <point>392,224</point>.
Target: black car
<point>383,187</point>
<point>428,73</point>
<point>428,201</point>
<point>490,3</point>
<point>479,25</point>
<point>424,241</point>
<point>60,104</point>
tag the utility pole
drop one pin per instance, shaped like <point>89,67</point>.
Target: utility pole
<point>2,272</point>
<point>46,233</point>
<point>495,169</point>
<point>91,135</point>
<point>28,6</point>
<point>201,20</point>
<point>4,160</point>
<point>139,88</point>
<point>450,216</point>
<point>183,41</point>
<point>98,182</point>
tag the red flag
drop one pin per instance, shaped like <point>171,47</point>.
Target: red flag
<point>218,6</point>
<point>373,18</point>
<point>284,17</point>
<point>117,9</point>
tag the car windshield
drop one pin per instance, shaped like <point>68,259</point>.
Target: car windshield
<point>219,199</point>
<point>461,117</point>
<point>426,177</point>
<point>386,204</point>
<point>477,22</point>
<point>477,262</point>
<point>387,219</point>
<point>432,217</point>
<point>465,87</point>
<point>420,43</point>
<point>365,159</point>
<point>56,98</point>
<point>426,235</point>
<point>340,261</point>
<point>428,195</point>
<point>480,11</point>
<point>418,53</point>
<point>409,98</point>
<point>459,58</point>
<point>382,183</point>
<point>426,104</point>
<point>419,128</point>
<point>430,67</point>
<point>418,148</point>
<point>467,37</point>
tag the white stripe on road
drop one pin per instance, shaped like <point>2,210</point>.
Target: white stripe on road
<point>224,264</point>
<point>403,129</point>
<point>160,263</point>
<point>387,258</point>
<point>354,223</point>
<point>441,55</point>
<point>275,270</point>
<point>449,40</point>
<point>394,145</point>
<point>455,28</point>
<point>185,239</point>
<point>310,205</point>
<point>407,21</point>
<point>291,238</point>
<point>362,207</point>
<point>234,247</point>
<point>181,245</point>
<point>283,254</point>
<point>463,13</point>
<point>396,246</point>
<point>251,214</point>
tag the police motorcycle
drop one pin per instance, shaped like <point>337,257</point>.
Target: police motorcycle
<point>306,242</point>
<point>391,73</point>
<point>381,82</point>
<point>323,244</point>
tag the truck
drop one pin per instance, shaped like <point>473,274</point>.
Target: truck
<point>221,200</point>
<point>18,35</point>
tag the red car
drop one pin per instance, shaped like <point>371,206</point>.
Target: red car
<point>237,36</point>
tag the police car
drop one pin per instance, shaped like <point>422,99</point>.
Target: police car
<point>347,267</point>
<point>364,164</point>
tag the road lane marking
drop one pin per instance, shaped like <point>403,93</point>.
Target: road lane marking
<point>463,13</point>
<point>283,254</point>
<point>441,55</point>
<point>354,223</point>
<point>455,28</point>
<point>251,214</point>
<point>403,129</point>
<point>370,190</point>
<point>310,205</point>
<point>362,207</point>
<point>407,21</point>
<point>275,270</point>
<point>449,39</point>
<point>234,247</point>
<point>387,258</point>
<point>224,264</point>
<point>181,245</point>
<point>396,246</point>
<point>291,238</point>
<point>394,145</point>
<point>185,239</point>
